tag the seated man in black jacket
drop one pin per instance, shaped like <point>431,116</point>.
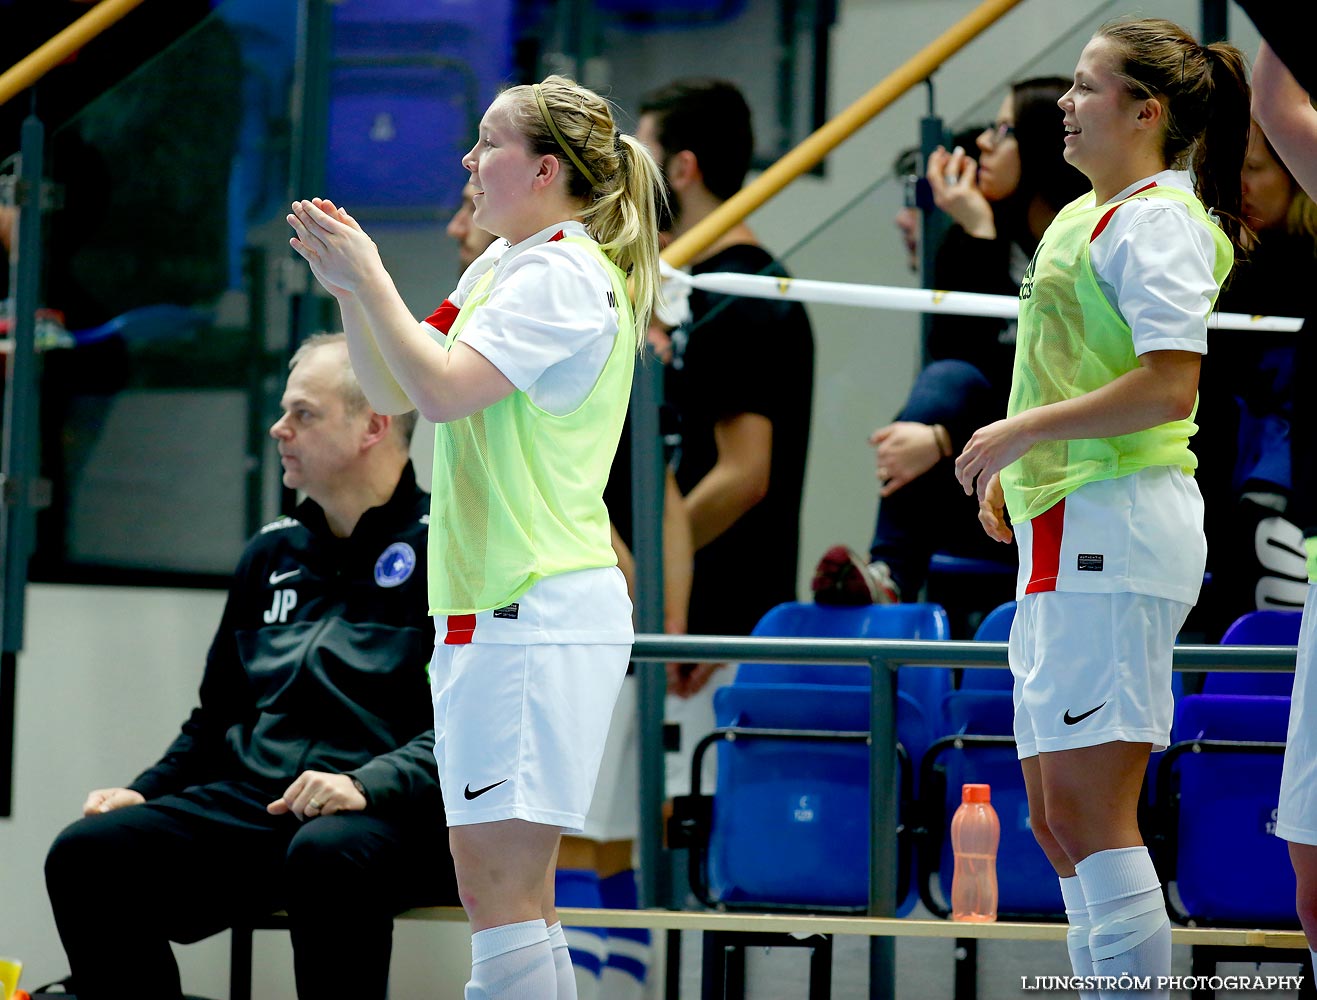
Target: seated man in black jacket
<point>305,779</point>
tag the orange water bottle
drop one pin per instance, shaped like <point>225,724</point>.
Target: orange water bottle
<point>975,832</point>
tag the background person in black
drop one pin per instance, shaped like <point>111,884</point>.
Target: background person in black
<point>305,778</point>
<point>741,376</point>
<point>1246,397</point>
<point>1283,84</point>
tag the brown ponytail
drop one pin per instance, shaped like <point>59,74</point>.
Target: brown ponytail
<point>1205,95</point>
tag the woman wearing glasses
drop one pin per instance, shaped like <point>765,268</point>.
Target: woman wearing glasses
<point>1000,206</point>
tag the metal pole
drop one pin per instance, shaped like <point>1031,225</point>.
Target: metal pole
<point>882,821</point>
<point>1215,16</point>
<point>19,456</point>
<point>32,67</point>
<point>306,175</point>
<point>258,409</point>
<point>647,493</point>
<point>822,141</point>
<point>933,224</point>
<point>310,146</point>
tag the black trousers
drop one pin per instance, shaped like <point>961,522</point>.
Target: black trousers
<point>932,513</point>
<point>180,868</point>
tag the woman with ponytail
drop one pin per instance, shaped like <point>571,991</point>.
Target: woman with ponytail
<point>526,370</point>
<point>1093,465</point>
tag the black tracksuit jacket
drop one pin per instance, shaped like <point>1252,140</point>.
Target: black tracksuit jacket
<point>320,662</point>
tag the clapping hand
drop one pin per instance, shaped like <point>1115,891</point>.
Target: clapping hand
<point>334,244</point>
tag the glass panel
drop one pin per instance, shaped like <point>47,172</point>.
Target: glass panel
<point>155,400</point>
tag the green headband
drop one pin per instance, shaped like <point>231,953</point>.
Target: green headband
<point>558,136</point>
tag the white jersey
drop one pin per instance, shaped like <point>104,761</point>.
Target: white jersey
<point>547,327</point>
<point>1141,533</point>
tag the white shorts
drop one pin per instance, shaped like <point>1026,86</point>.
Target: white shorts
<point>694,719</point>
<point>1296,820</point>
<point>1092,669</point>
<point>615,809</point>
<point>520,728</point>
<point>1137,534</point>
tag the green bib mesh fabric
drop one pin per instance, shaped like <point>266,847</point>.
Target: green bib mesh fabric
<point>518,491</point>
<point>1071,341</point>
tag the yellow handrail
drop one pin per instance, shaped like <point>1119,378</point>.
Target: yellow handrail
<point>43,59</point>
<point>830,135</point>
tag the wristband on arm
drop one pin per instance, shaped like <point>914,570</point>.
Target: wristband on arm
<point>942,438</point>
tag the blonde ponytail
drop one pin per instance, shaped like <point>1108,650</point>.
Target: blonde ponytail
<point>614,174</point>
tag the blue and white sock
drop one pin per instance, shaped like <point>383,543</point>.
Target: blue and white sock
<point>1076,939</point>
<point>1131,934</point>
<point>587,946</point>
<point>629,948</point>
<point>512,962</point>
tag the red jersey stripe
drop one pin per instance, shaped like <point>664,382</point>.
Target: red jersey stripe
<point>555,237</point>
<point>1102,223</point>
<point>1047,530</point>
<point>461,628</point>
<point>442,318</point>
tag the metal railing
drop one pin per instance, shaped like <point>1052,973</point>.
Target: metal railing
<point>50,54</point>
<point>877,656</point>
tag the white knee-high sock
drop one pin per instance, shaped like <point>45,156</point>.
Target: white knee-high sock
<point>1314,961</point>
<point>512,962</point>
<point>1076,939</point>
<point>1131,934</point>
<point>562,963</point>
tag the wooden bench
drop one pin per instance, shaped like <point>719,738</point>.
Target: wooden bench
<point>1210,941</point>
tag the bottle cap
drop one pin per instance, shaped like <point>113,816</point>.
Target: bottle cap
<point>975,793</point>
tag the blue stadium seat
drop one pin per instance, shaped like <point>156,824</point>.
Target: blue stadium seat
<point>478,32</point>
<point>409,81</point>
<point>781,798</point>
<point>920,690</point>
<point>670,13</point>
<point>397,134</point>
<point>977,745</point>
<point>980,749</point>
<point>1257,628</point>
<point>996,625</point>
<point>147,323</point>
<point>969,588</point>
<point>806,797</point>
<point>1217,791</point>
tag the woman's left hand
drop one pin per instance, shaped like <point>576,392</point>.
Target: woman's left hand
<point>337,248</point>
<point>992,511</point>
<point>989,450</point>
